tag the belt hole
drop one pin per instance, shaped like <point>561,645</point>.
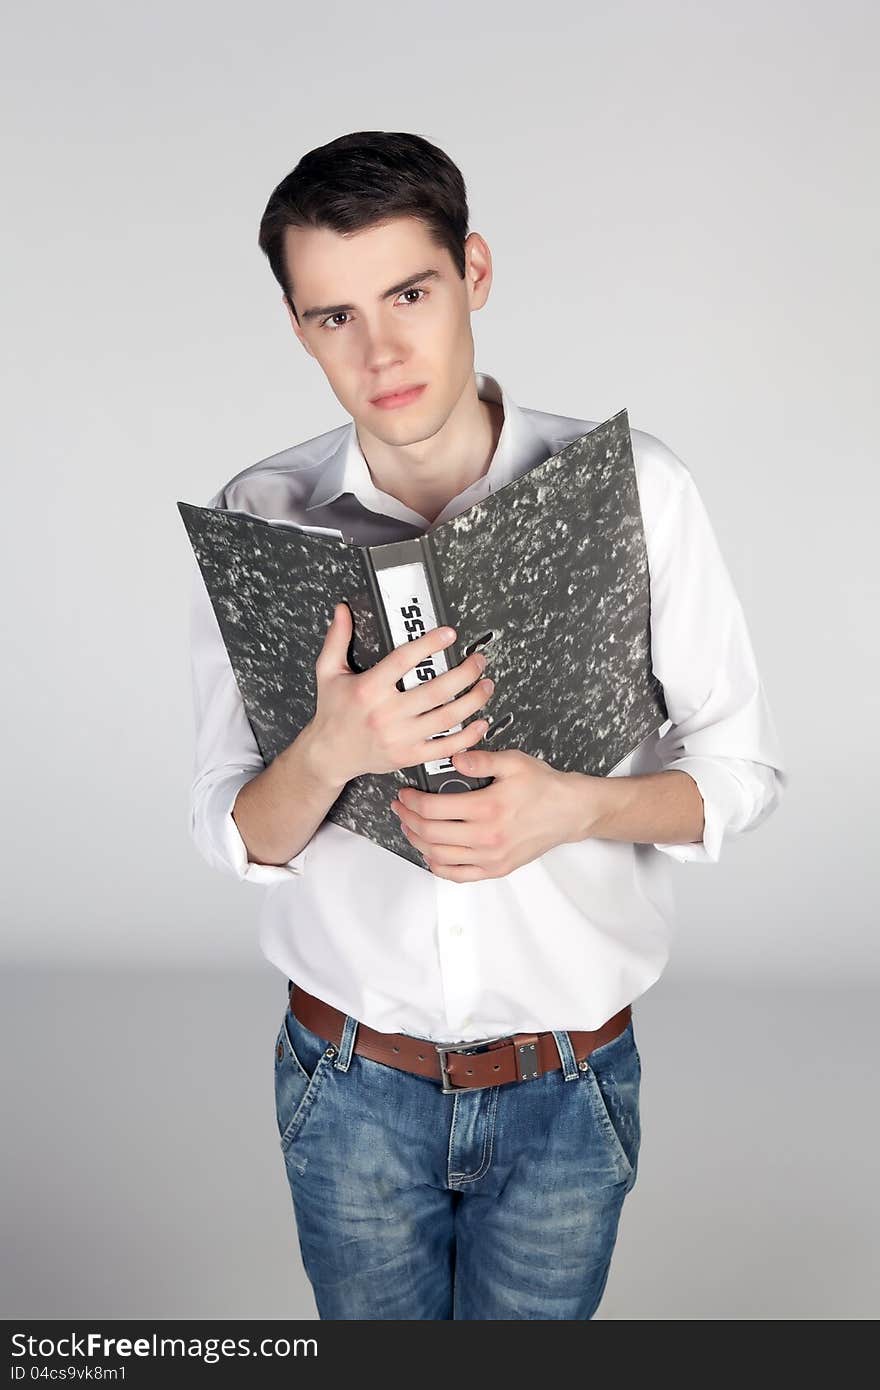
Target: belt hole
<point>421,1057</point>
<point>497,1066</point>
<point>395,1049</point>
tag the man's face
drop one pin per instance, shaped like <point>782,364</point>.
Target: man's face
<point>386,337</point>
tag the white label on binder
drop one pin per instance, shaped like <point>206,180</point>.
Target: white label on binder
<point>409,609</point>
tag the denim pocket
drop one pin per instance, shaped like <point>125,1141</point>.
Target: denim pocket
<point>302,1062</point>
<point>613,1078</point>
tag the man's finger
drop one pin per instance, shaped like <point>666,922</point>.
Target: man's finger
<point>451,806</point>
<point>443,853</point>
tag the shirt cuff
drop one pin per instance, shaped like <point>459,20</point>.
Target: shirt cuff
<point>723,809</point>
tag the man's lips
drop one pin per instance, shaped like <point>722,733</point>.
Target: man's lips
<point>398,398</point>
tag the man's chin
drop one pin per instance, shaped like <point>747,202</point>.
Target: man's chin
<point>399,432</point>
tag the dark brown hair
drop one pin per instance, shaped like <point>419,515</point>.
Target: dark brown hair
<point>362,179</point>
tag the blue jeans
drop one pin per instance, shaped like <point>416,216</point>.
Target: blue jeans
<point>502,1202</point>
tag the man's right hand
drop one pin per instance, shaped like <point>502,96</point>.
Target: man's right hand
<point>363,723</point>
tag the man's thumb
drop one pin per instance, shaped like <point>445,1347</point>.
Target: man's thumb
<point>338,634</point>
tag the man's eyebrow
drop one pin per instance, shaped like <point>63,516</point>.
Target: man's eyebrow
<point>321,311</point>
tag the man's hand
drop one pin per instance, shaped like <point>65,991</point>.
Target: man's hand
<point>487,833</point>
<point>363,723</point>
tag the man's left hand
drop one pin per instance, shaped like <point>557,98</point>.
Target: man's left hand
<point>492,830</point>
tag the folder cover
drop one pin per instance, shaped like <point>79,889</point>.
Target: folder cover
<point>548,575</point>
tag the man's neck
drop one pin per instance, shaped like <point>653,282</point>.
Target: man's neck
<point>426,475</point>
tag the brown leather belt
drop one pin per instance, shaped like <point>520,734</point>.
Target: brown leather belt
<point>463,1066</point>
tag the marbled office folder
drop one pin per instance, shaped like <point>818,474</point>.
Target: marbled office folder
<point>549,575</point>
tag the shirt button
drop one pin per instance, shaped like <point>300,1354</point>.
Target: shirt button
<point>456,929</point>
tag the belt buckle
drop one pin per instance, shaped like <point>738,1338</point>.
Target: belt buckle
<point>466,1048</point>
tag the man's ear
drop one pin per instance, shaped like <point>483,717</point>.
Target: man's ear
<point>478,269</point>
<point>294,325</point>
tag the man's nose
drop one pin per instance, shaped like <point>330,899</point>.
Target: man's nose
<point>383,345</point>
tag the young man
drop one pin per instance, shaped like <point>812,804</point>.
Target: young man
<point>488,1181</point>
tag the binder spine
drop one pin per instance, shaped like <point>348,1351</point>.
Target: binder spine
<point>405,584</point>
<point>378,604</point>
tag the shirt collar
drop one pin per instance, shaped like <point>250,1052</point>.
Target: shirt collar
<point>346,469</point>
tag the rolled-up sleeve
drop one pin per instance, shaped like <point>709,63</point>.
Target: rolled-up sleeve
<point>226,752</point>
<point>722,729</point>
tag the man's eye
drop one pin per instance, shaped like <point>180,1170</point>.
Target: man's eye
<point>335,327</point>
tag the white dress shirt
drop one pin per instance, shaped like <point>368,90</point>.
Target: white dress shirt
<point>568,939</point>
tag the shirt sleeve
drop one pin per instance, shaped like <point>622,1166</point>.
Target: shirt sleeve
<point>722,732</point>
<point>226,753</point>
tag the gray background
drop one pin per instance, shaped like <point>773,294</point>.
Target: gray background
<point>681,201</point>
